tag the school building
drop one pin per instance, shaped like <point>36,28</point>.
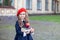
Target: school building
<point>10,7</point>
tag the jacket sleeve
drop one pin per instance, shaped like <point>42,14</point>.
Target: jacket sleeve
<point>18,29</point>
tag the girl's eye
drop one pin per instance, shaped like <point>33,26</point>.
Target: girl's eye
<point>23,14</point>
<point>20,14</point>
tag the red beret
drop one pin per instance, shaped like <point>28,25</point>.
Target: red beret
<point>21,10</point>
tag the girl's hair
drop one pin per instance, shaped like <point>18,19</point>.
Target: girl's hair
<point>26,19</point>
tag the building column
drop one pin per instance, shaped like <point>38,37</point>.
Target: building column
<point>50,6</point>
<point>19,4</point>
<point>43,5</point>
<point>34,6</point>
<point>24,3</point>
<point>15,3</point>
<point>59,6</point>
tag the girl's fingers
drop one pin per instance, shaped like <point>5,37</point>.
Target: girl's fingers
<point>28,32</point>
<point>32,29</point>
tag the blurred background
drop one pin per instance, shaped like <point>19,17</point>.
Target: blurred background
<point>44,16</point>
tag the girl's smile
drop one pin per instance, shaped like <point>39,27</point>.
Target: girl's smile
<point>22,15</point>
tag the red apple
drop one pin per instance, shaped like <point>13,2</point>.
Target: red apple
<point>27,25</point>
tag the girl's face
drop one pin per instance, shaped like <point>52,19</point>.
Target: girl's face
<point>22,15</point>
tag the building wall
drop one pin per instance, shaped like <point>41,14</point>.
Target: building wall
<point>5,12</point>
<point>43,11</point>
<point>22,3</point>
<point>59,6</point>
<point>9,11</point>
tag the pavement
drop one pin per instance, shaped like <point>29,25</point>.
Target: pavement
<point>44,30</point>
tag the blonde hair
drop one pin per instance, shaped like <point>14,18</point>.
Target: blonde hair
<point>26,19</point>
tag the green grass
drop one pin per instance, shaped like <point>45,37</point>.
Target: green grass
<point>52,18</point>
<point>7,27</point>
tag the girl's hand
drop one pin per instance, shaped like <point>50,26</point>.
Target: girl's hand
<point>32,30</point>
<point>27,32</point>
<point>23,30</point>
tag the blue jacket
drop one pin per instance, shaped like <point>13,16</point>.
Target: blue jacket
<point>19,34</point>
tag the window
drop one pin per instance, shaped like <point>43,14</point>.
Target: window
<point>46,5</point>
<point>29,4</point>
<point>53,5</point>
<point>1,1</point>
<point>39,4</point>
<point>6,3</point>
<point>57,5</point>
<point>12,2</point>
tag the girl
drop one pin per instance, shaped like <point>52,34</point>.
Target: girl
<point>21,24</point>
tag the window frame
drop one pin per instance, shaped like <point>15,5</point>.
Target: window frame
<point>9,6</point>
<point>53,4</point>
<point>30,5</point>
<point>46,5</point>
<point>57,6</point>
<point>40,4</point>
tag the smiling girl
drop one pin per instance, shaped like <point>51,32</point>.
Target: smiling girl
<point>22,26</point>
